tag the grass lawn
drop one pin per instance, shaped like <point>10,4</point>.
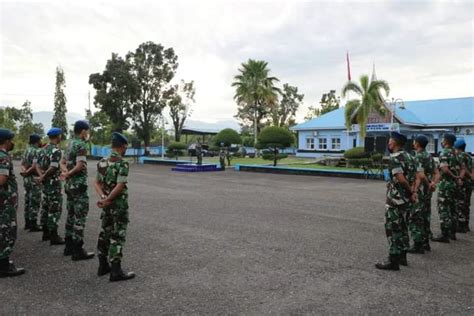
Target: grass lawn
<point>315,166</point>
<point>259,161</point>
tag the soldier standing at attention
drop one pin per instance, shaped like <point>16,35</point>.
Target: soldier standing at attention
<point>49,173</point>
<point>8,206</point>
<point>111,185</point>
<point>32,189</point>
<point>447,178</point>
<point>76,192</point>
<point>463,203</point>
<point>399,197</point>
<point>199,152</point>
<point>421,212</point>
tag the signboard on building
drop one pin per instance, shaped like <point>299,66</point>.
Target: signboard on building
<point>379,127</point>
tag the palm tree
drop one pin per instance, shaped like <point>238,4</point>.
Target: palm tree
<point>370,100</point>
<point>255,88</point>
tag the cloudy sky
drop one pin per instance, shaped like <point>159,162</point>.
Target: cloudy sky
<point>424,49</point>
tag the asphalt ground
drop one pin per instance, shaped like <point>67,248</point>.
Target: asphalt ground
<point>244,243</point>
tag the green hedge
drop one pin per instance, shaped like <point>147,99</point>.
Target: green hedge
<point>356,153</point>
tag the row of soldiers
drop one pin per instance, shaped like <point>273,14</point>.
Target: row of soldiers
<point>44,170</point>
<point>413,179</point>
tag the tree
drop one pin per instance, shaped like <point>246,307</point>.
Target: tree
<point>275,138</point>
<point>59,117</point>
<point>180,104</point>
<point>329,102</point>
<point>116,91</point>
<point>369,92</point>
<point>26,125</point>
<point>285,111</point>
<point>227,137</point>
<point>255,93</point>
<point>153,67</point>
<point>100,127</point>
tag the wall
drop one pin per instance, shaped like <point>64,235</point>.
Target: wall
<point>346,142</point>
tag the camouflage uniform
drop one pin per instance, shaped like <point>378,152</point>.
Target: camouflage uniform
<point>463,201</point>
<point>76,191</point>
<point>52,196</point>
<point>8,206</point>
<point>420,218</point>
<point>446,192</point>
<point>32,189</point>
<point>110,172</point>
<point>397,203</point>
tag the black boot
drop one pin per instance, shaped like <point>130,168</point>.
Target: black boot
<point>34,227</point>
<point>7,269</point>
<point>426,246</point>
<point>461,228</point>
<point>117,274</point>
<point>27,224</point>
<point>104,266</point>
<point>393,263</point>
<point>444,237</point>
<point>452,234</point>
<point>467,227</point>
<point>403,259</point>
<point>46,234</point>
<point>79,253</point>
<point>55,239</point>
<point>417,248</point>
<point>68,249</point>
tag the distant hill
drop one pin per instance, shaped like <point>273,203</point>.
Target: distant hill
<point>45,117</point>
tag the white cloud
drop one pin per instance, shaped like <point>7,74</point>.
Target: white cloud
<point>423,48</point>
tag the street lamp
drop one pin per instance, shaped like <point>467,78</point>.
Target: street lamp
<point>393,104</point>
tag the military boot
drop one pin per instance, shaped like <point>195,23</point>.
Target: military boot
<point>117,274</point>
<point>403,259</point>
<point>7,269</point>
<point>467,227</point>
<point>444,237</point>
<point>79,252</point>
<point>27,224</point>
<point>393,263</point>
<point>55,239</point>
<point>104,266</point>
<point>461,228</point>
<point>46,234</point>
<point>417,248</point>
<point>68,248</point>
<point>34,227</point>
<point>426,246</point>
<point>452,234</point>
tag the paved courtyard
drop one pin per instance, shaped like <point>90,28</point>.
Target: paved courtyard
<point>245,243</point>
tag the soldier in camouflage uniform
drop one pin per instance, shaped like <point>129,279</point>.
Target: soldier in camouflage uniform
<point>399,197</point>
<point>8,206</point>
<point>419,223</point>
<point>199,152</point>
<point>76,192</point>
<point>448,176</point>
<point>463,201</point>
<point>111,185</point>
<point>32,189</point>
<point>49,175</point>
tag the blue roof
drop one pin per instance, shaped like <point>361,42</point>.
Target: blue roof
<point>333,119</point>
<point>457,111</point>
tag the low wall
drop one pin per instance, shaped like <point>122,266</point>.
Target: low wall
<point>308,172</point>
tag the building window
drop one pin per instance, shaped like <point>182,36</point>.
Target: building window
<point>336,143</point>
<point>322,143</point>
<point>309,143</point>
<point>430,147</point>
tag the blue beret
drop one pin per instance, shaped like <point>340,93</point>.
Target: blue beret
<point>450,137</point>
<point>119,138</point>
<point>422,140</point>
<point>34,138</point>
<point>5,134</point>
<point>54,131</point>
<point>81,124</point>
<point>460,144</point>
<point>398,136</point>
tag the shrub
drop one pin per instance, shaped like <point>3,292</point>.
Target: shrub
<point>227,137</point>
<point>274,138</point>
<point>359,162</point>
<point>356,153</point>
<point>175,149</point>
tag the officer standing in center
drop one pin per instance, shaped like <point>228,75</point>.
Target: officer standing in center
<point>76,192</point>
<point>399,197</point>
